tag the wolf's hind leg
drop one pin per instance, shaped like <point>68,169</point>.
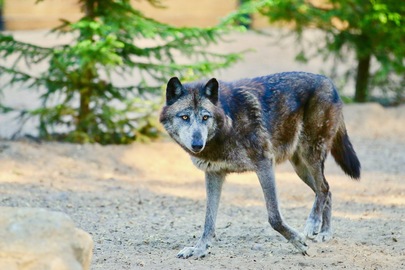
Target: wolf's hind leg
<point>317,227</point>
<point>326,229</point>
<point>214,182</point>
<point>265,173</point>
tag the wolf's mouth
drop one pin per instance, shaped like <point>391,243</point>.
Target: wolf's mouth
<point>196,150</point>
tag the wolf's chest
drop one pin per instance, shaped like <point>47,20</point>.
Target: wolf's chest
<point>239,165</point>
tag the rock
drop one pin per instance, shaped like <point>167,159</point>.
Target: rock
<point>38,239</point>
<point>257,247</point>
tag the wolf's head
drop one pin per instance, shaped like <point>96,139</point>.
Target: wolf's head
<point>191,112</point>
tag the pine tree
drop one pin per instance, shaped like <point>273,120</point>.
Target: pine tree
<point>373,30</point>
<point>81,101</point>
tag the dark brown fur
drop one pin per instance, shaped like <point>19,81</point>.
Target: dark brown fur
<point>257,122</point>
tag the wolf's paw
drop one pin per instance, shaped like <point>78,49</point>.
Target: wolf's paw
<point>312,228</point>
<point>299,242</point>
<point>323,236</point>
<point>194,252</point>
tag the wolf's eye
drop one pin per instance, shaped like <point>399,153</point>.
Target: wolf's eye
<point>205,117</point>
<point>184,117</point>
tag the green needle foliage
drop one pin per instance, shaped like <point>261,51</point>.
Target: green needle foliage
<point>373,29</point>
<point>82,100</point>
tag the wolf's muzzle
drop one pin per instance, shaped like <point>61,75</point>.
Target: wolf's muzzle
<point>197,147</point>
<point>197,143</point>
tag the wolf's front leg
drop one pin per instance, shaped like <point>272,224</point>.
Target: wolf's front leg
<point>265,172</point>
<point>213,182</point>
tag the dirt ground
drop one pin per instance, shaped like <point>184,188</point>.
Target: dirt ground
<point>142,203</point>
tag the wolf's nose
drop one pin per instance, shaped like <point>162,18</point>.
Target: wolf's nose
<point>197,147</point>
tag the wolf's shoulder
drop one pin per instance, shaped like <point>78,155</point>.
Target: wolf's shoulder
<point>282,78</point>
<point>285,86</point>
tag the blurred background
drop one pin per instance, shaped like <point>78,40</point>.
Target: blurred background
<point>95,71</point>
<point>29,15</point>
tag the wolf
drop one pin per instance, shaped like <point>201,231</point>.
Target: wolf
<point>254,124</point>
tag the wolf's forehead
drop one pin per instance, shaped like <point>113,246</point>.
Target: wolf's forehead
<point>191,104</point>
<point>193,99</point>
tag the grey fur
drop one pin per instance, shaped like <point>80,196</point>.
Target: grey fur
<point>252,124</point>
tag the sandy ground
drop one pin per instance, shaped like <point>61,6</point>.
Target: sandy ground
<point>142,203</point>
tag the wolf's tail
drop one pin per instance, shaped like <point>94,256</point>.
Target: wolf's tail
<point>344,154</point>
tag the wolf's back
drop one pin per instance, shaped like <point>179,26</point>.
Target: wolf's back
<point>344,154</point>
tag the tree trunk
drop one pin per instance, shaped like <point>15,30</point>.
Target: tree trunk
<point>363,73</point>
<point>2,27</point>
<point>84,111</point>
<point>89,8</point>
<point>86,91</point>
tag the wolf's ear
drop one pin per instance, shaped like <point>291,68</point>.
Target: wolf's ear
<point>211,90</point>
<point>174,90</point>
